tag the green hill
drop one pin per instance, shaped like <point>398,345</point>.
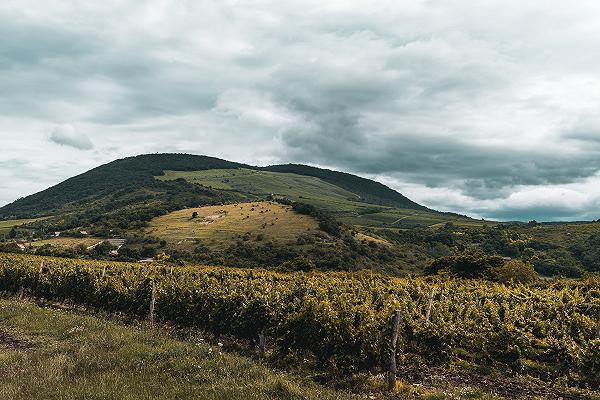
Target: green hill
<point>126,197</point>
<point>150,185</point>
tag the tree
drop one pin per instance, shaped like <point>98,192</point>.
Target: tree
<point>514,271</point>
<point>465,265</point>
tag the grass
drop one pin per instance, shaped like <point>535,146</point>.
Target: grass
<point>50,353</point>
<point>345,205</point>
<point>67,242</point>
<point>560,234</point>
<point>6,225</point>
<point>217,226</point>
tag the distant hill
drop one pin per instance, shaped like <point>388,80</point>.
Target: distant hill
<point>132,179</point>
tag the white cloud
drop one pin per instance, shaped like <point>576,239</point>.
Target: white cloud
<point>66,135</point>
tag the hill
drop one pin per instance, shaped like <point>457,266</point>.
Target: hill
<point>127,180</point>
<point>337,221</point>
<point>132,180</point>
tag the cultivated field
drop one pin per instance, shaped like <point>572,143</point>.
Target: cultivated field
<point>519,341</point>
<point>217,226</point>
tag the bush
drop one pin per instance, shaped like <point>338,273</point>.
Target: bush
<point>514,271</point>
<point>465,265</point>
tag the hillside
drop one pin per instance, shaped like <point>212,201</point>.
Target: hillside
<point>338,221</point>
<point>137,173</point>
<point>129,179</point>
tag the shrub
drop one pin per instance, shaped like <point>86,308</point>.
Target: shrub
<point>514,271</point>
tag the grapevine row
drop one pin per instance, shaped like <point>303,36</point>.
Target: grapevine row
<point>547,330</point>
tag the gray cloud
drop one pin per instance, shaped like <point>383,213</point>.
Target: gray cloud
<point>66,135</point>
<point>464,108</point>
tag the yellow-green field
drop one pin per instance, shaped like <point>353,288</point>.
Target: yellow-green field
<point>216,226</point>
<point>5,226</point>
<point>67,242</point>
<point>564,234</point>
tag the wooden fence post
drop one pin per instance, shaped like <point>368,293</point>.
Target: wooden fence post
<point>429,304</point>
<point>103,271</point>
<point>598,326</point>
<point>21,293</point>
<point>392,368</point>
<point>41,267</point>
<point>152,302</point>
<point>262,344</point>
<point>357,293</point>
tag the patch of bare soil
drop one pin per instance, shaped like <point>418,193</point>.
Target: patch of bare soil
<point>9,342</point>
<point>505,387</point>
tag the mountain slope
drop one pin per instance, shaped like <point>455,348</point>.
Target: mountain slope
<point>368,190</point>
<point>129,174</point>
<point>132,180</point>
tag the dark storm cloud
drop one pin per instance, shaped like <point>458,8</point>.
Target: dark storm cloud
<point>479,109</point>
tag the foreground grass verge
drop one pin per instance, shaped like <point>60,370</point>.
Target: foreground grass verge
<point>48,353</point>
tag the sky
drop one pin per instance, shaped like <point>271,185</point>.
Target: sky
<point>489,109</point>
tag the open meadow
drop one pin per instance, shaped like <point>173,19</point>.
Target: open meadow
<point>216,226</point>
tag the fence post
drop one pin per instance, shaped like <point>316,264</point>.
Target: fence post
<point>598,326</point>
<point>262,344</point>
<point>41,267</point>
<point>103,271</point>
<point>357,293</point>
<point>392,368</point>
<point>152,302</point>
<point>20,293</point>
<point>429,304</point>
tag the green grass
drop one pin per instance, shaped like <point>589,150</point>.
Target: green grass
<point>219,226</point>
<point>6,225</point>
<point>67,242</point>
<point>50,353</point>
<point>560,234</point>
<point>345,205</point>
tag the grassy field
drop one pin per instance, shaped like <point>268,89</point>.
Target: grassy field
<point>67,242</point>
<point>345,205</point>
<point>49,353</point>
<point>560,234</point>
<point>5,226</point>
<point>217,226</point>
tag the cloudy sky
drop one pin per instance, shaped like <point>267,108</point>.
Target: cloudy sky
<point>486,108</point>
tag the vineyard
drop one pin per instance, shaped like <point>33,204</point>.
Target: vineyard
<point>343,320</point>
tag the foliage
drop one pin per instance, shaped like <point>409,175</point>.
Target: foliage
<point>343,319</point>
<point>466,265</point>
<point>514,271</point>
